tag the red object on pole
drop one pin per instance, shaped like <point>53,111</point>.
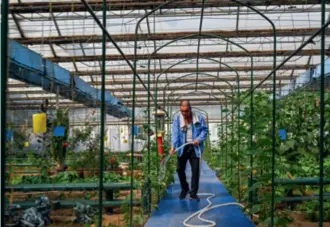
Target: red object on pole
<point>160,146</point>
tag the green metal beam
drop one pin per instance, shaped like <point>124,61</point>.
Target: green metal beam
<point>4,80</point>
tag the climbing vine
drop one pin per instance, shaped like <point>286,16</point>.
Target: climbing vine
<point>297,151</point>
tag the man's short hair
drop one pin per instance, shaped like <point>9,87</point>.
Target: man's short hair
<point>185,100</point>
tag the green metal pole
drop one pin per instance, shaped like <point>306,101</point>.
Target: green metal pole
<point>251,140</point>
<point>273,112</point>
<point>294,53</point>
<point>273,105</point>
<point>273,124</point>
<point>221,138</point>
<point>238,136</point>
<point>148,139</point>
<point>207,74</point>
<point>232,135</point>
<point>102,114</point>
<point>226,156</point>
<point>4,79</point>
<point>322,120</point>
<point>133,122</point>
<point>135,75</point>
<point>156,128</point>
<point>252,83</point>
<point>199,42</point>
<point>98,22</point>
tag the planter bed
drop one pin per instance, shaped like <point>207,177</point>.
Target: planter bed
<point>108,189</point>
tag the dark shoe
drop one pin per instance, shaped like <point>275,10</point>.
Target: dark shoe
<point>183,194</point>
<point>194,197</point>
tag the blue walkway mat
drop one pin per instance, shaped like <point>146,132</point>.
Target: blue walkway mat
<point>173,211</point>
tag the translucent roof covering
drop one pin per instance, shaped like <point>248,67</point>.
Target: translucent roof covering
<point>65,32</point>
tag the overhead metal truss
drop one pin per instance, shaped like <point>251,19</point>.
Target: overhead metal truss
<point>96,5</point>
<point>165,36</point>
<point>80,52</point>
<point>231,54</point>
<point>191,70</point>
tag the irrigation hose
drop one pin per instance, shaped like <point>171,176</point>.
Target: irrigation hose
<point>209,207</point>
<point>163,164</point>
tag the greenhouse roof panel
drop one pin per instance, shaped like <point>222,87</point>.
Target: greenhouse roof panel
<point>65,33</point>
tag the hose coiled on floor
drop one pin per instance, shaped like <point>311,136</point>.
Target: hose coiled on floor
<point>209,207</point>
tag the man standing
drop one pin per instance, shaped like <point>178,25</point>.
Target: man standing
<point>188,127</point>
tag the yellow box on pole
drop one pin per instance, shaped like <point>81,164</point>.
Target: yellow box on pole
<point>39,123</point>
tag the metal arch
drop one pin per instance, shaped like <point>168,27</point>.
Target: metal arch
<point>199,83</point>
<point>217,98</point>
<point>204,93</point>
<point>226,127</point>
<point>201,110</point>
<point>214,60</point>
<point>205,35</point>
<point>187,75</point>
<point>134,85</point>
<point>211,59</point>
<point>206,85</point>
<point>133,112</point>
<point>226,104</point>
<point>273,118</point>
<point>187,59</point>
<point>205,113</point>
<point>105,34</point>
<point>210,36</point>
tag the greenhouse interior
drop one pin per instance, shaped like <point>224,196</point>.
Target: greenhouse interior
<point>103,102</point>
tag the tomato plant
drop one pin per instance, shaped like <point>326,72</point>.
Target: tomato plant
<point>297,155</point>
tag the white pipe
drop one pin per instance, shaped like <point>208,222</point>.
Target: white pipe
<point>210,196</point>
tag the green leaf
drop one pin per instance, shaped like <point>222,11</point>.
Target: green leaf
<point>255,209</point>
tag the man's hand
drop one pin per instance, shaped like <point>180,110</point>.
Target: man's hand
<point>172,151</point>
<point>196,142</point>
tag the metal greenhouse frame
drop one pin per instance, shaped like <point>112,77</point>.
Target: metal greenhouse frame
<point>235,97</point>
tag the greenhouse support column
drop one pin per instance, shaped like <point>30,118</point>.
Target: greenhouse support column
<point>238,135</point>
<point>322,120</point>
<point>273,124</point>
<point>148,138</point>
<point>4,78</point>
<point>158,160</point>
<point>199,42</point>
<point>156,128</point>
<point>155,119</point>
<point>102,115</point>
<point>169,123</point>
<point>273,113</point>
<point>208,126</point>
<point>226,131</point>
<point>221,137</point>
<point>251,142</point>
<point>208,142</point>
<point>232,136</point>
